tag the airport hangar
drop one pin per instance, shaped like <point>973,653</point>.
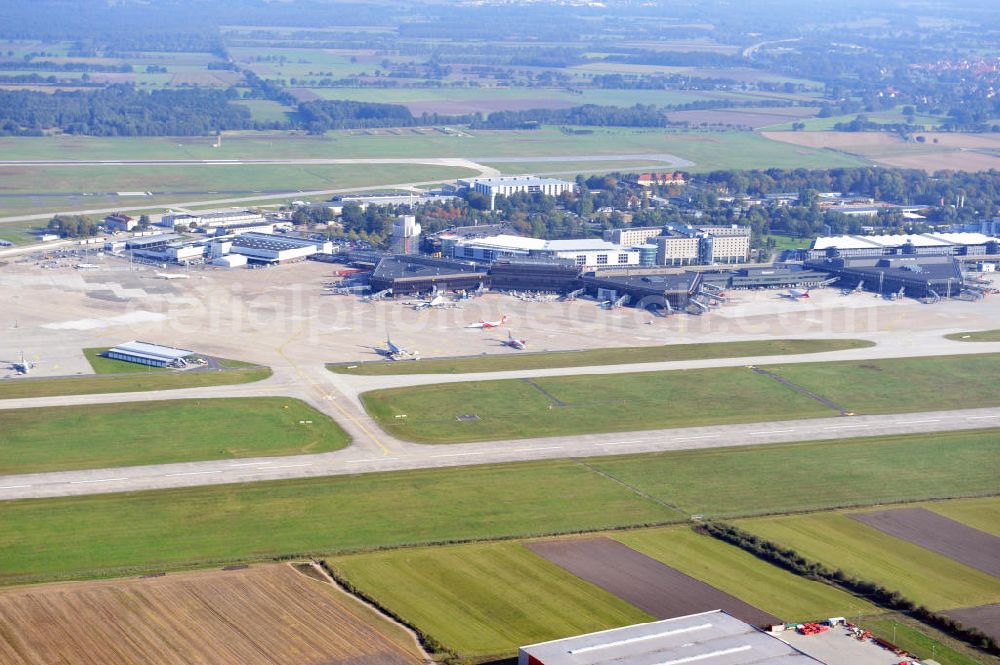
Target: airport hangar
<point>153,355</point>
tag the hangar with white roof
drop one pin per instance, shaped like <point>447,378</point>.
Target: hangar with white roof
<point>583,252</point>
<point>955,244</point>
<point>153,355</point>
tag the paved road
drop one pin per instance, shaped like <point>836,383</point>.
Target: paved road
<point>372,450</point>
<point>371,454</point>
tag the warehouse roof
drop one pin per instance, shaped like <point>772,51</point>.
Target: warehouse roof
<point>519,181</point>
<point>150,351</point>
<point>709,638</point>
<point>917,239</point>
<point>395,267</point>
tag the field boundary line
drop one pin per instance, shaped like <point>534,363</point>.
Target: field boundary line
<point>631,488</point>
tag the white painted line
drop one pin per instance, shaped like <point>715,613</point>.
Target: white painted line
<point>528,450</point>
<point>366,461</point>
<point>13,487</point>
<point>703,436</point>
<point>190,473</point>
<point>101,480</point>
<point>932,420</point>
<point>233,466</point>
<point>458,454</point>
<point>773,431</point>
<point>981,417</point>
<point>285,466</point>
<point>845,426</point>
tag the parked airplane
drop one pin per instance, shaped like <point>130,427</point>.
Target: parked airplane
<point>170,275</point>
<point>437,301</point>
<point>486,325</point>
<point>394,352</point>
<point>795,294</point>
<point>24,366</point>
<point>514,343</point>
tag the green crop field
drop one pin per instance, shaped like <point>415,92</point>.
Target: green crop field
<point>128,383</point>
<point>982,513</point>
<point>103,435</point>
<point>485,600</point>
<point>838,541</point>
<point>559,406</point>
<point>794,477</point>
<point>740,574</point>
<point>170,529</point>
<point>556,406</point>
<point>610,356</point>
<point>976,336</point>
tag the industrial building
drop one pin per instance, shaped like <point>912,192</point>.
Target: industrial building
<point>272,249</point>
<point>683,245</point>
<point>508,185</point>
<point>120,222</point>
<point>709,637</point>
<point>956,244</point>
<point>210,220</point>
<point>154,355</point>
<point>913,276</point>
<point>584,252</point>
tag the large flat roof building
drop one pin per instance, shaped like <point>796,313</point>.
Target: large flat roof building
<point>683,245</point>
<point>847,246</point>
<point>516,184</point>
<point>710,638</point>
<point>583,252</point>
<point>153,355</point>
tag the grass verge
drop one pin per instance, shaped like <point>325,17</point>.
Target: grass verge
<point>922,640</point>
<point>560,406</point>
<point>128,383</point>
<point>117,534</point>
<point>133,433</point>
<point>976,336</point>
<point>593,357</point>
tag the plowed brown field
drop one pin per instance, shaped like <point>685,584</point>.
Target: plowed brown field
<point>266,614</point>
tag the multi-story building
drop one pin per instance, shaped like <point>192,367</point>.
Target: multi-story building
<point>586,252</point>
<point>405,235</point>
<point>507,185</point>
<point>681,245</point>
<point>119,222</point>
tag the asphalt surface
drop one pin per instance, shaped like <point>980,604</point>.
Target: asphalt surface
<point>372,450</point>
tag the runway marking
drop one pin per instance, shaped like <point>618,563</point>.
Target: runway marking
<point>234,466</point>
<point>528,450</point>
<point>845,426</point>
<point>285,466</point>
<point>458,454</point>
<point>620,443</point>
<point>13,487</point>
<point>367,461</point>
<point>100,480</point>
<point>703,436</point>
<point>981,417</point>
<point>190,473</point>
<point>932,420</point>
<point>773,431</point>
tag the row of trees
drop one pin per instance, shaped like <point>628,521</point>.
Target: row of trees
<point>792,561</point>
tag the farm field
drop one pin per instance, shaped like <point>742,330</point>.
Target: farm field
<point>733,571</point>
<point>938,533</point>
<point>650,585</point>
<point>986,618</point>
<point>970,152</point>
<point>158,530</point>
<point>269,615</point>
<point>128,383</point>
<point>838,541</point>
<point>557,406</point>
<point>485,600</point>
<point>104,435</point>
<point>977,336</point>
<point>982,514</point>
<point>609,356</point>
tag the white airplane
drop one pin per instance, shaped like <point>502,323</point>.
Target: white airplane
<point>514,343</point>
<point>22,367</point>
<point>86,266</point>
<point>171,275</point>
<point>795,294</point>
<point>486,325</point>
<point>437,301</point>
<point>394,352</point>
